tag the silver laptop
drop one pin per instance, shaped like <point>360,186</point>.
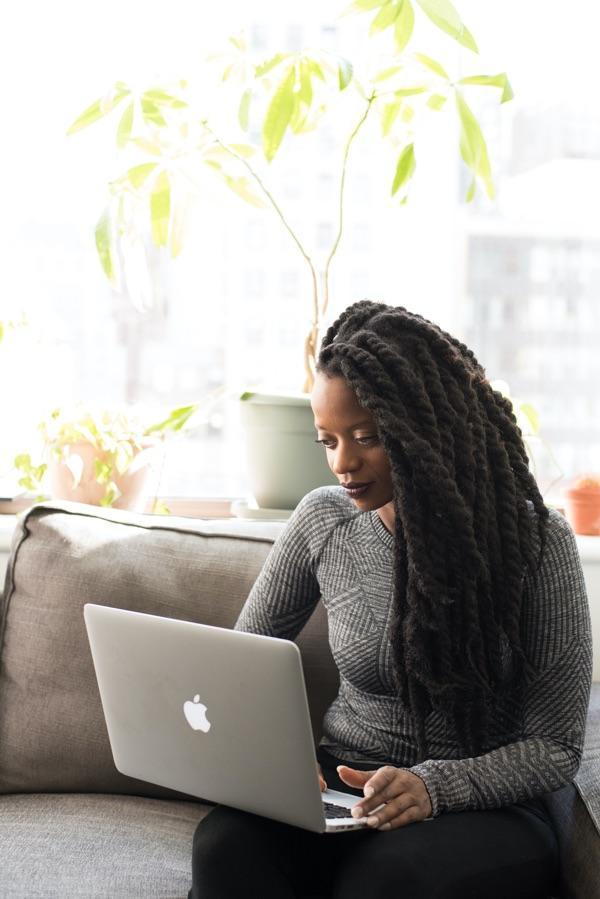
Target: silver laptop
<point>215,713</point>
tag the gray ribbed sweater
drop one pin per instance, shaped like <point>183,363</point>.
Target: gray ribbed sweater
<point>330,550</point>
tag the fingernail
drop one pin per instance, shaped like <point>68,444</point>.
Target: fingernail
<point>369,792</point>
<point>357,812</point>
<point>386,826</point>
<point>372,821</point>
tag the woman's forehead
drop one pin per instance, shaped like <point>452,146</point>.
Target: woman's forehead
<point>334,401</point>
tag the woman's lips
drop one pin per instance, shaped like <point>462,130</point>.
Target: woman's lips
<point>355,492</point>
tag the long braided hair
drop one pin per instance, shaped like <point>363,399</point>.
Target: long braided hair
<point>470,520</point>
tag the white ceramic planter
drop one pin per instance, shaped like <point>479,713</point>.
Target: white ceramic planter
<point>284,462</point>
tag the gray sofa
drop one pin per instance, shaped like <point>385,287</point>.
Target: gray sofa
<point>70,824</point>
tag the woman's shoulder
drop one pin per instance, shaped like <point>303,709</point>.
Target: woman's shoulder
<point>317,516</point>
<point>330,502</point>
<point>559,539</point>
<point>559,563</point>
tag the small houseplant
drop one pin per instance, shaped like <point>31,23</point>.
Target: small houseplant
<point>101,457</point>
<point>166,139</point>
<point>582,504</point>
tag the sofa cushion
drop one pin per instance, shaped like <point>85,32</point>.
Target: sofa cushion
<point>59,846</point>
<point>52,731</point>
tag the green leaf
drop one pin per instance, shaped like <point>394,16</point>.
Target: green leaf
<point>306,89</point>
<point>125,126</point>
<point>443,14</point>
<point>148,146</point>
<point>299,115</point>
<point>160,209</point>
<point>471,190</point>
<point>467,40</point>
<point>244,150</point>
<point>436,101</point>
<point>386,73</point>
<point>246,395</point>
<point>244,109</point>
<point>388,14</point>
<point>500,81</point>
<point>345,71</point>
<point>405,168</point>
<point>403,26</point>
<point>102,471</point>
<point>111,495</point>
<point>278,115</point>
<point>269,64</point>
<point>389,116</point>
<point>159,508</point>
<point>104,245</point>
<point>410,91</point>
<point>472,145</point>
<point>151,112</point>
<point>99,109</point>
<point>532,416</point>
<point>432,64</point>
<point>1,332</point>
<point>175,421</point>
<point>243,187</point>
<point>316,69</point>
<point>238,41</point>
<point>162,98</point>
<point>140,173</point>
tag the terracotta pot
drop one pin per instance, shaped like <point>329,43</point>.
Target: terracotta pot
<point>582,504</point>
<point>73,477</point>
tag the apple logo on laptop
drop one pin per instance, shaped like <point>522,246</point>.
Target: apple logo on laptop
<point>195,712</point>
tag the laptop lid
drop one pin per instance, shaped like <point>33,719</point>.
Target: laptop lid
<point>215,713</point>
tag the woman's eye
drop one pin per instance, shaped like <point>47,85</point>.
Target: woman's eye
<point>363,441</point>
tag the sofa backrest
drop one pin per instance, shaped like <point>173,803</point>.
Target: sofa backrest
<point>52,731</point>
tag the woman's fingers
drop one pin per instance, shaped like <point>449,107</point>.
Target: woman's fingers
<point>393,796</point>
<point>381,786</point>
<point>408,816</point>
<point>353,777</point>
<point>322,781</point>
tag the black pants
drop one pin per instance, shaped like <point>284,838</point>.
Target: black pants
<point>507,853</point>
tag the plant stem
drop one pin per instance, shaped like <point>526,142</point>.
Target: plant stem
<point>336,242</point>
<point>308,351</point>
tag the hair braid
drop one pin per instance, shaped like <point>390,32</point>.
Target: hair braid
<point>469,517</point>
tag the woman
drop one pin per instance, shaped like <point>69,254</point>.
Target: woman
<point>457,619</point>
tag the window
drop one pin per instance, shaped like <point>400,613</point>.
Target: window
<point>518,278</point>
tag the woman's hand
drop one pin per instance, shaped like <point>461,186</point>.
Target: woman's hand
<point>322,782</point>
<point>404,794</point>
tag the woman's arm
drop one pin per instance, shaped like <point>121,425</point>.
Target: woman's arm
<point>286,590</point>
<point>558,640</point>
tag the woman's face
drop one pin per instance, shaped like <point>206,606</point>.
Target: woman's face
<point>349,435</point>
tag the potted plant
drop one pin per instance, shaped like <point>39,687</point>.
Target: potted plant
<point>582,504</point>
<point>103,457</point>
<point>281,98</point>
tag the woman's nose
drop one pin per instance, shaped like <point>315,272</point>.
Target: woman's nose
<point>345,458</point>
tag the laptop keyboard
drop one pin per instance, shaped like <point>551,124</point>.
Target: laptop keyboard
<point>336,811</point>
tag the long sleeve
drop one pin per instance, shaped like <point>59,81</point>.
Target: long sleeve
<point>557,637</point>
<point>286,590</point>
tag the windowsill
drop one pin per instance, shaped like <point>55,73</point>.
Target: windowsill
<point>195,506</point>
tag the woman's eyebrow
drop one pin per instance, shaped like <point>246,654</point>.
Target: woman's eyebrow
<point>358,424</point>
